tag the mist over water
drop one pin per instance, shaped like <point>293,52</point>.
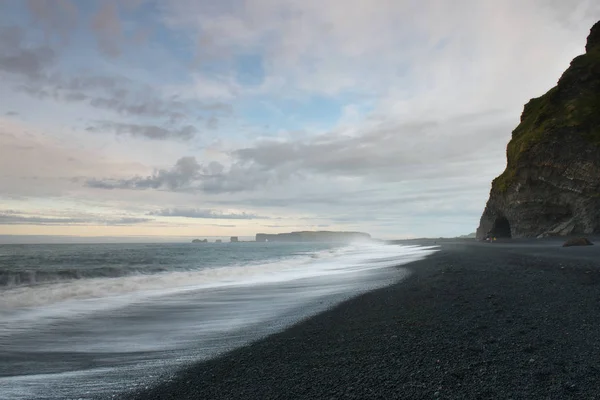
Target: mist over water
<point>94,336</point>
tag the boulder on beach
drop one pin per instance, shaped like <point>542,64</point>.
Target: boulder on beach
<point>577,242</point>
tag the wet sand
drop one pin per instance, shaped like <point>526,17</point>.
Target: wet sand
<point>512,320</point>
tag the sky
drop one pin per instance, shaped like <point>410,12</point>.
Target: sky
<point>181,118</point>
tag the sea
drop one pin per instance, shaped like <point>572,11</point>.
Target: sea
<point>93,321</point>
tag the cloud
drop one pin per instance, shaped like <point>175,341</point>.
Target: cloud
<point>37,162</point>
<point>147,131</point>
<point>386,151</point>
<point>114,93</point>
<point>119,94</point>
<point>203,214</point>
<point>17,58</point>
<point>295,226</point>
<point>189,175</point>
<point>212,123</point>
<point>127,221</point>
<point>36,70</point>
<point>59,17</point>
<point>11,217</point>
<point>354,46</point>
<point>222,225</point>
<point>185,172</point>
<point>63,18</point>
<point>35,64</point>
<point>370,154</point>
<point>377,197</point>
<point>107,25</point>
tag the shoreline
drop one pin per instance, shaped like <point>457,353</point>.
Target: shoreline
<point>474,320</point>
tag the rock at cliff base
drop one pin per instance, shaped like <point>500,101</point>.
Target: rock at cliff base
<point>577,242</point>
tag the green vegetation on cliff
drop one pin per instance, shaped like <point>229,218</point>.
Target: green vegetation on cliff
<point>571,107</point>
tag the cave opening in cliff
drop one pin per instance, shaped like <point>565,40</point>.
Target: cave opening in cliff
<point>501,228</point>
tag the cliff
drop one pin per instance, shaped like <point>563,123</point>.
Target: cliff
<point>306,236</point>
<point>551,185</point>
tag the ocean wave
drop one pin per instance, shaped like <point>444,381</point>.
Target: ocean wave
<point>12,278</point>
<point>69,285</point>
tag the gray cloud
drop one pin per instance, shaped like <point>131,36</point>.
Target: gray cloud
<point>61,18</point>
<point>18,58</point>
<point>127,221</point>
<point>202,214</point>
<point>11,113</point>
<point>107,25</point>
<point>75,97</point>
<point>121,96</point>
<point>113,84</point>
<point>8,219</point>
<point>54,16</point>
<point>425,203</point>
<point>189,175</point>
<point>219,108</point>
<point>387,151</point>
<point>117,94</point>
<point>294,226</point>
<point>147,131</point>
<point>239,178</point>
<point>212,123</point>
<point>11,217</point>
<point>222,225</point>
<point>390,152</point>
<point>34,68</point>
<point>185,172</point>
<point>373,199</point>
<point>150,107</point>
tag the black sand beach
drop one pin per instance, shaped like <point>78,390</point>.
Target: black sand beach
<point>517,320</point>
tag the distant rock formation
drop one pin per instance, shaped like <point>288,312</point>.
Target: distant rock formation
<point>551,185</point>
<point>308,236</point>
<point>234,239</point>
<point>218,241</point>
<point>199,241</point>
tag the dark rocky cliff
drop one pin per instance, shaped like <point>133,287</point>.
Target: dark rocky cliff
<point>551,185</point>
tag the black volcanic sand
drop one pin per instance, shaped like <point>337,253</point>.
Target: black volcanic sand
<point>518,320</point>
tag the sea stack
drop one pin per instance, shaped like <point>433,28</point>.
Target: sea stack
<point>551,185</point>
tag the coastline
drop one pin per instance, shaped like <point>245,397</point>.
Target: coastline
<point>475,320</point>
